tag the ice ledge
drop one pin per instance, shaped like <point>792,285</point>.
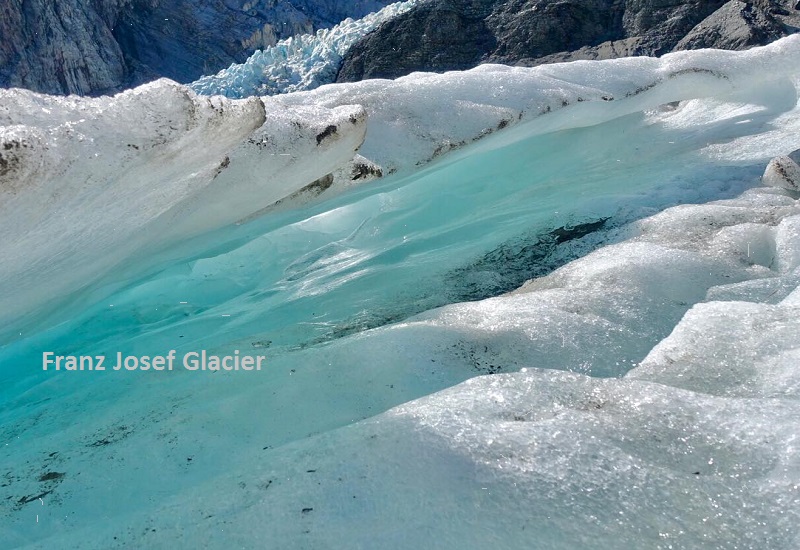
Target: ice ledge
<point>419,117</point>
<point>89,184</point>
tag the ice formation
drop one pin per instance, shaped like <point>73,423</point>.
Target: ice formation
<point>641,395</point>
<point>302,62</point>
<point>89,183</point>
<point>191,165</point>
<point>418,117</point>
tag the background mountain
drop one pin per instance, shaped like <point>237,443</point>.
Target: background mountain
<point>94,46</point>
<point>443,35</point>
<point>90,47</point>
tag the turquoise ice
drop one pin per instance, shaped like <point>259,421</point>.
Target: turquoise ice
<point>419,392</point>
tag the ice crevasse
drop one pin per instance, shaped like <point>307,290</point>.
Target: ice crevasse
<point>643,391</point>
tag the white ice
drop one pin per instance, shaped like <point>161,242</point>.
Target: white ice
<point>92,184</point>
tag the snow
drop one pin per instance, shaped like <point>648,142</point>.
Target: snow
<point>301,62</point>
<point>639,391</point>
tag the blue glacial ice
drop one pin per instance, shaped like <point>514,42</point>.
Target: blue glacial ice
<point>302,62</point>
<point>565,317</point>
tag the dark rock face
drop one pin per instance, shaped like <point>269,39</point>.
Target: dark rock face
<point>526,29</point>
<point>186,39</point>
<point>459,34</point>
<point>96,46</point>
<point>58,47</point>
<point>736,26</point>
<point>436,36</point>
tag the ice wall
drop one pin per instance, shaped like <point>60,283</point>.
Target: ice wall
<point>88,185</point>
<point>421,116</point>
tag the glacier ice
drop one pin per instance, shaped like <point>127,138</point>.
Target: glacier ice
<point>84,191</point>
<point>302,62</point>
<point>417,118</point>
<point>643,393</point>
<point>538,458</point>
<point>783,172</point>
<point>197,186</point>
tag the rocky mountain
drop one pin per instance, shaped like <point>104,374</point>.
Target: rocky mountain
<point>89,47</point>
<point>94,46</point>
<point>443,35</point>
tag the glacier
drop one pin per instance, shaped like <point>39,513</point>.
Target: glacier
<point>564,316</point>
<point>301,62</point>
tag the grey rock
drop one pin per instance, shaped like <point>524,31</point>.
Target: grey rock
<point>459,34</point>
<point>96,46</point>
<point>186,39</point>
<point>58,47</point>
<point>532,29</point>
<point>435,36</point>
<point>735,26</point>
<point>607,50</point>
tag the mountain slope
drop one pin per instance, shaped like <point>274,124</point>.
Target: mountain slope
<point>458,34</point>
<point>94,46</point>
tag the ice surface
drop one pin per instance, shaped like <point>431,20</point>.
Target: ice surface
<point>89,183</point>
<point>643,395</point>
<point>670,455</point>
<point>421,116</point>
<point>783,172</point>
<point>194,164</point>
<point>302,62</point>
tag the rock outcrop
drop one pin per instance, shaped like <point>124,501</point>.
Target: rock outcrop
<point>735,26</point>
<point>445,35</point>
<point>95,46</point>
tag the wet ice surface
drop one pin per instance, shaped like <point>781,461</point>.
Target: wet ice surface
<point>557,447</point>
